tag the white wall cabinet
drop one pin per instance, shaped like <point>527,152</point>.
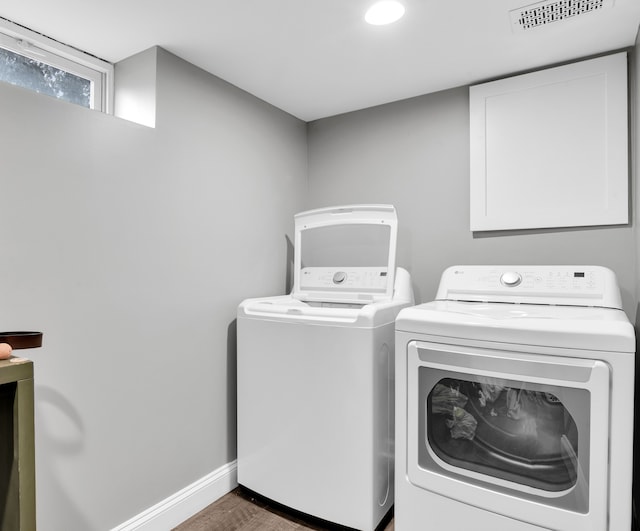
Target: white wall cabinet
<point>550,148</point>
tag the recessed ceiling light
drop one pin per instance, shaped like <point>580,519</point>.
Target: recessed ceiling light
<point>384,12</point>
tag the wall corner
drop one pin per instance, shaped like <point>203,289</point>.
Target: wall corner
<point>135,87</point>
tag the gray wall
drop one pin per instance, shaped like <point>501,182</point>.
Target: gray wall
<point>415,155</point>
<point>130,248</point>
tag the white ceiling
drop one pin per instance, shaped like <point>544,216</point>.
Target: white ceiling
<point>317,58</point>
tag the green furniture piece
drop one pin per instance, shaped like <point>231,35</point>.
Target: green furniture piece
<point>17,446</point>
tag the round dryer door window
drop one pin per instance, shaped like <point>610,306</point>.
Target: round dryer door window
<point>511,430</point>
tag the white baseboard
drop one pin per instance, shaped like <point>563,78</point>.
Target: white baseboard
<point>182,505</point>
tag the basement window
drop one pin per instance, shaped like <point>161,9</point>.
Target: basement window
<point>43,65</point>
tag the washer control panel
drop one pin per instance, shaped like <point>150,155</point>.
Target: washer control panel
<point>573,285</point>
<point>353,279</point>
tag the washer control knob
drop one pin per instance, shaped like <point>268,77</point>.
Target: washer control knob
<point>510,279</point>
<point>339,277</point>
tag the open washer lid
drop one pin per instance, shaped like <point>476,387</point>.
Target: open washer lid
<point>345,254</point>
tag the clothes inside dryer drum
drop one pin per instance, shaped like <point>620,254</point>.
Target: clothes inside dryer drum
<point>505,430</point>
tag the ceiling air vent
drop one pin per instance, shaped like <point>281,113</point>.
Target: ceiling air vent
<point>543,13</point>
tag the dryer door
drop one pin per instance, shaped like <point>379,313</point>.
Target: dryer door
<point>520,434</point>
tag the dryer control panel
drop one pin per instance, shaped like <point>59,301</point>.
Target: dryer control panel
<point>572,281</point>
<point>561,285</point>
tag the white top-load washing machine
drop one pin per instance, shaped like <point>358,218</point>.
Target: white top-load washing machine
<point>514,403</point>
<point>315,371</point>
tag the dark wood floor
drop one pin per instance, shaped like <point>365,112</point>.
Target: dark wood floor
<point>242,510</point>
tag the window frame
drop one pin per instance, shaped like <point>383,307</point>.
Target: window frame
<point>27,43</point>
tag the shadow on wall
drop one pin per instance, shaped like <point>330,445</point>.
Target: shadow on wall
<point>232,364</point>
<point>52,411</point>
<point>288,279</point>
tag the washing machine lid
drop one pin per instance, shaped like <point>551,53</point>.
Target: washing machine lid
<point>345,254</point>
<point>571,327</point>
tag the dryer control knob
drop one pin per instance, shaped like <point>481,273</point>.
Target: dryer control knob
<point>339,277</point>
<point>510,279</point>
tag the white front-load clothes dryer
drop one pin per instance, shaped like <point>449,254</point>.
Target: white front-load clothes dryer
<point>315,371</point>
<point>514,403</point>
